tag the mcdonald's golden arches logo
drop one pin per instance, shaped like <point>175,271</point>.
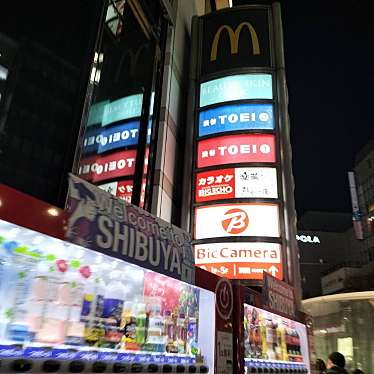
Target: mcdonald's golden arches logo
<point>234,39</point>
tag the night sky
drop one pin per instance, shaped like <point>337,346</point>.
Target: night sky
<point>329,46</point>
<point>330,77</point>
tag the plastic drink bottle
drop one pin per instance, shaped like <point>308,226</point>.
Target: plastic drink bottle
<point>140,324</point>
<point>182,333</point>
<point>170,332</point>
<point>92,308</point>
<point>129,327</point>
<point>18,328</point>
<point>78,278</point>
<point>56,311</point>
<point>156,330</point>
<point>112,309</point>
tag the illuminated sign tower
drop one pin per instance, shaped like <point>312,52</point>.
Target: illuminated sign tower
<point>242,211</point>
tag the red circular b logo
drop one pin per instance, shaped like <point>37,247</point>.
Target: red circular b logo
<point>235,221</point>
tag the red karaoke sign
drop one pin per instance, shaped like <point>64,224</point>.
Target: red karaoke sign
<point>246,182</point>
<point>215,185</point>
<point>99,168</point>
<point>233,149</point>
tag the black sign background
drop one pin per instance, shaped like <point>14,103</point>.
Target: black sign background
<point>258,18</point>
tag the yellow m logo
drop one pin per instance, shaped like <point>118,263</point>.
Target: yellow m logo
<point>234,39</point>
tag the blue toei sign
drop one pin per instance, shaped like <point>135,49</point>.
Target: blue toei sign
<point>106,139</point>
<point>236,117</point>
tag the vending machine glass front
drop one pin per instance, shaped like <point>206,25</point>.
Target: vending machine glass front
<point>60,297</point>
<point>273,342</point>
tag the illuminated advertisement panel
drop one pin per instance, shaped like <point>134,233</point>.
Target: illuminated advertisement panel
<point>252,219</point>
<point>99,168</point>
<point>240,260</point>
<point>233,149</point>
<point>215,185</point>
<point>236,117</point>
<point>291,349</point>
<point>100,140</point>
<point>122,189</point>
<point>121,109</point>
<point>256,182</point>
<point>96,113</point>
<point>236,87</point>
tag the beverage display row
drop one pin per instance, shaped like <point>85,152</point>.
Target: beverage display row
<point>273,338</point>
<point>65,296</point>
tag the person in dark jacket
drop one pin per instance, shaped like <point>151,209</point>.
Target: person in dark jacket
<point>335,364</point>
<point>320,366</point>
<point>358,371</point>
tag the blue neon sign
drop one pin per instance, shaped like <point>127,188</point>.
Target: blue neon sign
<point>236,117</point>
<point>236,87</point>
<point>100,140</point>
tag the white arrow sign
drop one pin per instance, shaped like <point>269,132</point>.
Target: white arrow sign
<point>273,270</point>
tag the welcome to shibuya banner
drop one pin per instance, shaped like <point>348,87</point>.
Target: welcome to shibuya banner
<point>99,221</point>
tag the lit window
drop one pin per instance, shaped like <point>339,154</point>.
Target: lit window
<point>3,73</point>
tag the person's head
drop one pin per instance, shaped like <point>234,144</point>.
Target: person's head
<point>335,359</point>
<point>358,371</point>
<point>320,365</point>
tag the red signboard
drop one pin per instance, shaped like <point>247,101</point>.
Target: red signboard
<point>124,190</point>
<point>27,211</point>
<point>234,149</point>
<point>237,260</point>
<point>215,185</point>
<point>98,168</point>
<point>253,271</point>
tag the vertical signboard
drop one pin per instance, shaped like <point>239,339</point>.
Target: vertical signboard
<point>356,214</point>
<point>110,143</point>
<point>236,39</point>
<point>238,178</point>
<point>278,297</point>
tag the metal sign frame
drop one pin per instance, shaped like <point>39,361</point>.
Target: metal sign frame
<point>280,131</point>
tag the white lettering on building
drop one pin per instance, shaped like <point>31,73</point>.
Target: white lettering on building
<point>234,149</point>
<point>107,166</point>
<point>112,138</point>
<point>234,118</point>
<point>308,239</point>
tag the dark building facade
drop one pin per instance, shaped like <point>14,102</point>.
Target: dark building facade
<point>39,101</point>
<point>40,110</point>
<point>326,243</point>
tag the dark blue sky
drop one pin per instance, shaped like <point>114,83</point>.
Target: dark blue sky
<point>330,76</point>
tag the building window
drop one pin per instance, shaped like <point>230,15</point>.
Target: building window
<point>117,145</point>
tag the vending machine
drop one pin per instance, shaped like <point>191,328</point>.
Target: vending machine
<point>267,342</point>
<point>68,307</point>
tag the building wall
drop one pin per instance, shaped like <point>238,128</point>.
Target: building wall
<point>334,250</point>
<point>168,186</point>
